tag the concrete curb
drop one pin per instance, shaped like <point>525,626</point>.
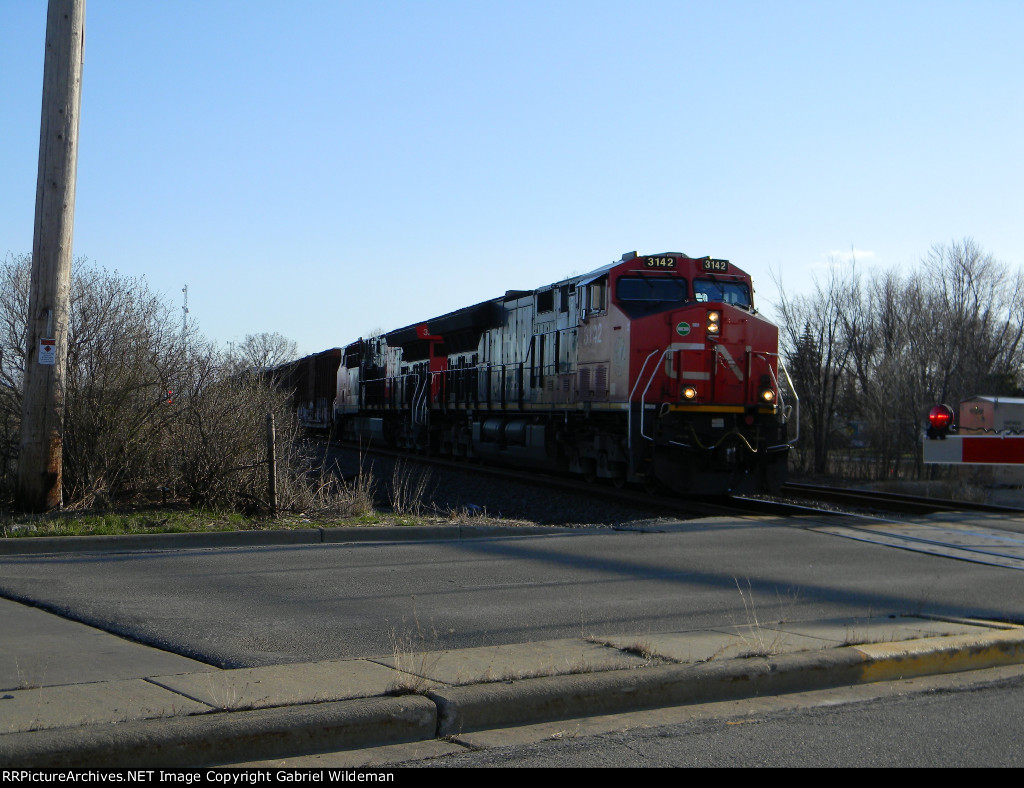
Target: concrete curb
<point>209,739</point>
<point>483,706</point>
<point>42,545</point>
<point>233,737</point>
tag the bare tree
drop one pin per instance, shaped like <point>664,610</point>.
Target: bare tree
<point>15,276</point>
<point>817,335</point>
<point>265,351</point>
<point>975,321</point>
<point>883,353</point>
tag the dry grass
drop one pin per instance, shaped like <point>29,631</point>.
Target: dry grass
<point>409,488</point>
<point>416,654</point>
<point>758,641</point>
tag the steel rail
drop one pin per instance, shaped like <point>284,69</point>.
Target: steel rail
<point>888,501</point>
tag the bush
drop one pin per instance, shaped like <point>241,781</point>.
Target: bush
<point>151,409</point>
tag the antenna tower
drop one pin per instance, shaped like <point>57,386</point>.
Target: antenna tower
<point>184,313</point>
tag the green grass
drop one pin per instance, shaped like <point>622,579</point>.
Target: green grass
<point>148,521</point>
<point>162,520</point>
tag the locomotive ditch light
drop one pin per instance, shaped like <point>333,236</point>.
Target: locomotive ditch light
<point>940,421</point>
<point>767,395</point>
<point>689,393</point>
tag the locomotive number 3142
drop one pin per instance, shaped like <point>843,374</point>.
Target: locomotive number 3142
<point>660,262</point>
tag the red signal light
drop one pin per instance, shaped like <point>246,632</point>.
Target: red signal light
<point>940,419</point>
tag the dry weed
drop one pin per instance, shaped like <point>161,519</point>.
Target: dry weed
<point>408,490</point>
<point>413,659</point>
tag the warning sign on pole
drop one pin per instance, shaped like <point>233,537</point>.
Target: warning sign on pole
<point>48,351</point>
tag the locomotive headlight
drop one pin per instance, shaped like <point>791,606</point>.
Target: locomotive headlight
<point>689,393</point>
<point>714,322</point>
<point>767,396</point>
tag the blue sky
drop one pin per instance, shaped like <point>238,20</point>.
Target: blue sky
<point>323,168</point>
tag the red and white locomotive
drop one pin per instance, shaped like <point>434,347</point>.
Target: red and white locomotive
<point>654,369</point>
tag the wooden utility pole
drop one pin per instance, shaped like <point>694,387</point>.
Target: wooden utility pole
<point>42,420</point>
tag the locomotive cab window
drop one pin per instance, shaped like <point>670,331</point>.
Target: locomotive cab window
<point>644,295</point>
<point>596,296</point>
<point>658,289</point>
<point>726,292</point>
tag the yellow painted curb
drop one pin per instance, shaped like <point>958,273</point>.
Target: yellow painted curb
<point>952,654</point>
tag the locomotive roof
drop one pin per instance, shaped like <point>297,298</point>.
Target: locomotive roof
<point>479,317</point>
<point>488,314</point>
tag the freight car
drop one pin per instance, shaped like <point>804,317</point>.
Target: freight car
<point>312,382</point>
<point>654,370</point>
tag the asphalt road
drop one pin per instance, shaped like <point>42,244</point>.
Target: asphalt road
<point>266,605</point>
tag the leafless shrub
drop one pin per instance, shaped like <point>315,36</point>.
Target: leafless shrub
<point>408,489</point>
<point>151,409</point>
<point>216,446</point>
<point>306,484</point>
<point>125,349</point>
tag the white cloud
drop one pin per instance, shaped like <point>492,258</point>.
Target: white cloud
<point>839,258</point>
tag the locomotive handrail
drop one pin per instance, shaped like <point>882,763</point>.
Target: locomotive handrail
<point>386,379</point>
<point>420,410</point>
<point>484,367</point>
<point>782,404</point>
<point>796,398</point>
<point>629,413</point>
<point>643,410</point>
<point>429,387</point>
<point>518,367</point>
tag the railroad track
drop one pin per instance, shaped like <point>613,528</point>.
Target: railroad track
<point>807,496</point>
<point>978,533</point>
<point>890,502</point>
<point>689,507</point>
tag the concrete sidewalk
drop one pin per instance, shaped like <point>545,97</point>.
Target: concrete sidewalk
<point>71,695</point>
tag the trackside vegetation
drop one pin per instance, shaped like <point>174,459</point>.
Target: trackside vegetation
<point>155,415</point>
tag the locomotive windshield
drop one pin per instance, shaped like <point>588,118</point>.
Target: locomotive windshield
<point>651,288</point>
<point>713,289</point>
